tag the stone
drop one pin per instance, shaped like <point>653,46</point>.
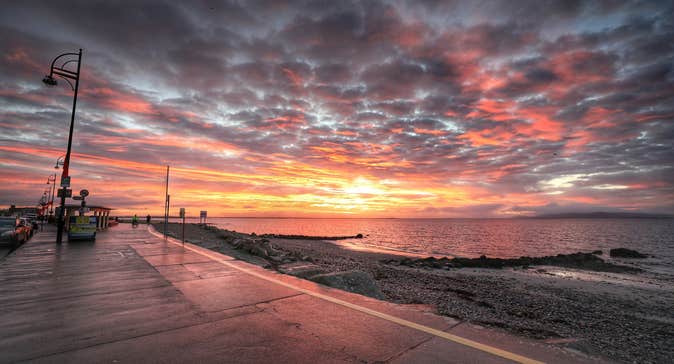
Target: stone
<point>300,269</point>
<point>352,281</point>
<point>626,253</point>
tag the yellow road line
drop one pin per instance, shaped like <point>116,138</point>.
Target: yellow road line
<point>429,330</point>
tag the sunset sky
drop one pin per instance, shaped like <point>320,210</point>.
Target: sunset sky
<point>334,108</point>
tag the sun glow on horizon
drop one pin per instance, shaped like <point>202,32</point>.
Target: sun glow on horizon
<point>384,110</point>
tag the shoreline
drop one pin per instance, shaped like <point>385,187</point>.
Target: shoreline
<point>624,316</point>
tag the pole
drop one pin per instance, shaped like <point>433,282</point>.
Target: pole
<point>43,210</point>
<point>168,209</point>
<point>166,204</point>
<point>183,230</point>
<point>53,191</point>
<point>49,197</point>
<point>66,162</point>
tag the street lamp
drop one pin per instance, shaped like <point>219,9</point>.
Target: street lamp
<point>59,162</point>
<point>51,181</point>
<point>49,80</point>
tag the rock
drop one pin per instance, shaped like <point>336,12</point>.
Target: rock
<point>587,261</point>
<point>236,243</point>
<point>352,281</point>
<point>359,236</point>
<point>407,261</point>
<point>300,269</point>
<point>259,251</point>
<point>626,253</point>
<point>276,258</point>
<point>597,252</point>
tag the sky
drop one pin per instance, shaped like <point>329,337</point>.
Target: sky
<point>345,109</point>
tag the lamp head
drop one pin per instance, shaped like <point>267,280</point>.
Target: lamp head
<point>49,80</point>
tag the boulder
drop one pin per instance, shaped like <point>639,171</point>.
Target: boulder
<point>352,281</point>
<point>300,269</point>
<point>626,253</point>
<point>406,261</point>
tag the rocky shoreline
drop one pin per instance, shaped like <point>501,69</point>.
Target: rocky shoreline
<point>585,261</point>
<point>546,298</point>
<point>305,237</point>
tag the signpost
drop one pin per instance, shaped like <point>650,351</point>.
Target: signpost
<point>182,214</point>
<point>69,193</point>
<point>83,195</point>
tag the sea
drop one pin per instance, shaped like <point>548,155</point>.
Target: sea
<point>498,238</point>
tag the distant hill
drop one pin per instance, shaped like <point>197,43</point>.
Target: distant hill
<point>602,215</point>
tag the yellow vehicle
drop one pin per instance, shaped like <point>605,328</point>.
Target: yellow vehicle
<point>82,227</point>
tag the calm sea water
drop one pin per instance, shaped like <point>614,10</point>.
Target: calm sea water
<point>502,238</point>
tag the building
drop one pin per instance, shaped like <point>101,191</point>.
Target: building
<point>21,211</point>
<point>102,214</point>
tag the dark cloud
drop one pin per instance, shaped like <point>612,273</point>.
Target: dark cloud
<point>566,102</point>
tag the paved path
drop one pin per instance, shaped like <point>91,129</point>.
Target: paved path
<point>133,297</point>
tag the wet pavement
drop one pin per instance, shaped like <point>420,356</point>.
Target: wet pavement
<point>133,297</point>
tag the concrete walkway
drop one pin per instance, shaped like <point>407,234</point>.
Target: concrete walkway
<point>133,297</point>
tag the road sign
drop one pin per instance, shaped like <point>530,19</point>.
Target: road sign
<point>84,193</point>
<point>65,181</point>
<point>202,214</point>
<point>182,212</point>
<point>69,193</point>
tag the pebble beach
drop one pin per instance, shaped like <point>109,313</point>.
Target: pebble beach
<point>622,316</point>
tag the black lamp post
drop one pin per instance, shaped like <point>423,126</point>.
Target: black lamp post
<point>44,206</point>
<point>49,80</point>
<point>51,181</point>
<point>59,162</point>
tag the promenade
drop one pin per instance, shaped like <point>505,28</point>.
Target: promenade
<point>133,297</point>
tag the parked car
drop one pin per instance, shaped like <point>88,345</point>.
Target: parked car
<point>12,232</point>
<point>28,225</point>
<point>34,221</point>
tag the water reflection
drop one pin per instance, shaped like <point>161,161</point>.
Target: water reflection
<point>504,238</point>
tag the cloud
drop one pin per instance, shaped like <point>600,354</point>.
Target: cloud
<point>435,108</point>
